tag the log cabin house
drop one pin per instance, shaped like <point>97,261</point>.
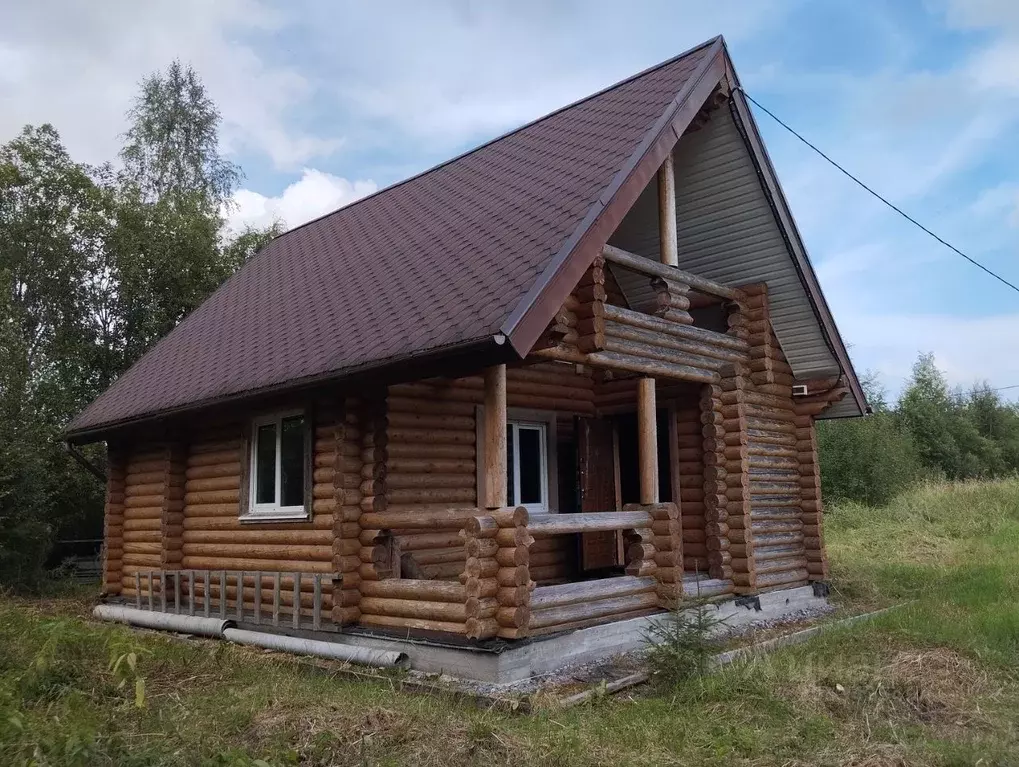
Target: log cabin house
<point>566,379</point>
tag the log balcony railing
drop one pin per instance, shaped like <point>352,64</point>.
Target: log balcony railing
<point>498,553</point>
<point>495,595</point>
<point>662,342</point>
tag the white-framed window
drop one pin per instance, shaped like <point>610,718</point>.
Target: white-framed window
<point>277,467</point>
<point>527,465</point>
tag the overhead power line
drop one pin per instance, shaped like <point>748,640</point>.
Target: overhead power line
<point>887,202</point>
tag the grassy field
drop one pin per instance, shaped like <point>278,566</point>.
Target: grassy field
<point>935,682</point>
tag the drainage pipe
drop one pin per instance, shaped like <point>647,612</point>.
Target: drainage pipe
<point>364,656</point>
<point>185,624</point>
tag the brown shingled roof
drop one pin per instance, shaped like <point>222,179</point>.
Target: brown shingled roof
<point>453,256</point>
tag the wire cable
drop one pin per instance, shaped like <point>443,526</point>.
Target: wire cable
<point>887,202</point>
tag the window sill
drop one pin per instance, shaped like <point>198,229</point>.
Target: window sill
<point>274,516</point>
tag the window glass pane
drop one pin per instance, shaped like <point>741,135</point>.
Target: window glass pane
<point>292,462</point>
<point>265,464</point>
<point>530,465</point>
<point>510,495</point>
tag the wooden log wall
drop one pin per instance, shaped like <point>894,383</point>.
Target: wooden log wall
<point>172,518</point>
<point>214,538</point>
<point>672,300</point>
<point>113,521</point>
<point>432,454</point>
<point>812,514</point>
<point>144,491</point>
<point>432,465</point>
<point>368,429</point>
<point>690,459</point>
<point>722,502</point>
<point>511,570</point>
<point>344,469</point>
<point>562,607</point>
<point>775,469</point>
<point>588,302</point>
<point>658,551</point>
<point>571,606</point>
<point>481,587</point>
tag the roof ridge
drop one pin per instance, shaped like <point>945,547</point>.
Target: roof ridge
<point>505,135</point>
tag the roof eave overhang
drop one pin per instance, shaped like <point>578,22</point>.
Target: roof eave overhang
<point>441,361</point>
<point>797,249</point>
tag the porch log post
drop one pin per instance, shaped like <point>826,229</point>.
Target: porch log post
<point>667,238</point>
<point>495,438</point>
<point>647,440</point>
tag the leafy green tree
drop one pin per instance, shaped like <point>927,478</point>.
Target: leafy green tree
<point>172,145</point>
<point>96,265</point>
<point>927,411</point>
<point>54,220</point>
<point>868,459</point>
<point>171,252</point>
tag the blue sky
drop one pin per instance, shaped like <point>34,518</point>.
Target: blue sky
<point>326,101</point>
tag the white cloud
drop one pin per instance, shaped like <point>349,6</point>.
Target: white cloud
<point>314,195</point>
<point>449,72</point>
<point>77,65</point>
<point>969,350</point>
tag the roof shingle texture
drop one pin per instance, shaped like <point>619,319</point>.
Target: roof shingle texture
<point>438,260</point>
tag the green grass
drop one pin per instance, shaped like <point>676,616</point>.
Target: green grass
<point>935,682</point>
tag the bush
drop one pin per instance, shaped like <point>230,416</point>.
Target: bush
<point>680,646</point>
<point>870,460</point>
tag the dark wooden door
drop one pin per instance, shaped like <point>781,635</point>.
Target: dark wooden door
<point>597,489</point>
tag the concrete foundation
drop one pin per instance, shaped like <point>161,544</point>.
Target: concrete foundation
<point>514,663</point>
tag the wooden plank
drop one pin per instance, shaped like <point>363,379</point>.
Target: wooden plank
<point>316,602</point>
<point>654,269</point>
<point>561,524</point>
<point>544,597</point>
<point>276,599</point>
<point>258,597</point>
<point>617,361</point>
<point>239,599</point>
<point>222,595</point>
<point>687,332</point>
